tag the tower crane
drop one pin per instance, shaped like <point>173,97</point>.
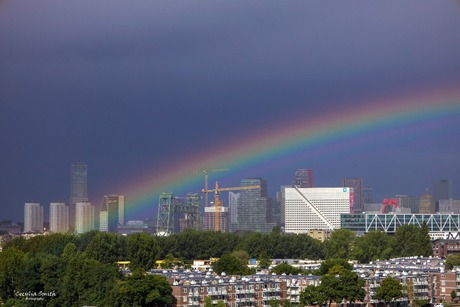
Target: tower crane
<point>217,191</point>
<point>206,172</point>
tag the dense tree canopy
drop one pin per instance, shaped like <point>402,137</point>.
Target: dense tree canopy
<point>389,289</point>
<point>82,270</point>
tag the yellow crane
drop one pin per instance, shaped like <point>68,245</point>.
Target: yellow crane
<point>217,191</point>
<point>206,172</point>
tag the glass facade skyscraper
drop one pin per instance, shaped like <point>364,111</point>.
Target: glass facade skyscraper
<point>78,188</point>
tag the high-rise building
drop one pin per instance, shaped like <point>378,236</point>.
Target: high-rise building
<point>315,208</point>
<point>303,178</point>
<point>233,206</point>
<point>357,185</point>
<point>112,213</point>
<point>427,204</point>
<point>412,202</point>
<point>281,198</point>
<point>84,217</point>
<point>78,188</point>
<point>209,218</point>
<point>442,189</point>
<point>59,217</point>
<point>368,195</point>
<point>33,217</point>
<point>254,208</point>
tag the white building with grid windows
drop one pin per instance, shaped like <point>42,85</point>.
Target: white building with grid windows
<point>316,208</point>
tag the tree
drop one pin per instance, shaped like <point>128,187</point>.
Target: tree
<point>104,247</point>
<point>389,289</point>
<point>340,244</point>
<point>11,264</point>
<point>208,301</point>
<point>410,240</point>
<point>327,265</point>
<point>242,255</point>
<point>312,295</point>
<point>353,286</point>
<point>231,265</point>
<point>451,261</point>
<point>286,269</point>
<point>274,303</point>
<point>264,261</point>
<point>140,289</point>
<point>453,295</point>
<point>372,246</point>
<point>331,289</point>
<point>220,303</point>
<point>142,251</point>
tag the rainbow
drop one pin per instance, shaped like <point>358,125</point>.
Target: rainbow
<point>355,121</point>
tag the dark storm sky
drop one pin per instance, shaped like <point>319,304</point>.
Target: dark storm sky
<point>127,86</point>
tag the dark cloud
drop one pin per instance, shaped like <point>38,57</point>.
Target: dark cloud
<point>126,87</point>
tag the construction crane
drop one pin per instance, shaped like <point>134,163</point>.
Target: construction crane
<point>206,172</point>
<point>217,191</point>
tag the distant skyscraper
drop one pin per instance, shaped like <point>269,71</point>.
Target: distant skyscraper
<point>357,185</point>
<point>442,189</point>
<point>84,217</point>
<point>303,178</point>
<point>112,213</point>
<point>233,206</point>
<point>368,195</point>
<point>33,217</point>
<point>254,208</point>
<point>59,217</point>
<point>427,205</point>
<point>78,188</point>
<point>412,202</point>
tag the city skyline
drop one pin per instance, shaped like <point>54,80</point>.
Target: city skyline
<point>147,95</point>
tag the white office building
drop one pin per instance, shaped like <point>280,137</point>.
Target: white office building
<point>316,208</point>
<point>33,217</point>
<point>59,217</point>
<point>84,217</point>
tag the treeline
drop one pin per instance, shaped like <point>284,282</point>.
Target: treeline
<point>80,270</point>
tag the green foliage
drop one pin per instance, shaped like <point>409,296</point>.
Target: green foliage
<point>105,247</point>
<point>452,260</point>
<point>142,251</point>
<point>208,301</point>
<point>286,269</point>
<point>140,289</point>
<point>264,261</point>
<point>312,295</point>
<point>328,264</point>
<point>11,263</point>
<point>273,303</point>
<point>388,290</point>
<point>340,244</point>
<point>242,255</point>
<point>347,286</point>
<point>231,265</point>
<point>410,240</point>
<point>220,303</point>
<point>372,246</point>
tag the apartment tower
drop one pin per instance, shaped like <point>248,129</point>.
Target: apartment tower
<point>59,217</point>
<point>33,217</point>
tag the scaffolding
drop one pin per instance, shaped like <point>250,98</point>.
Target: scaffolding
<point>178,213</point>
